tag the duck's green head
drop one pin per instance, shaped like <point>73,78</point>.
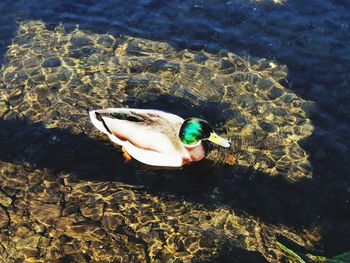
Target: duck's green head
<point>193,130</point>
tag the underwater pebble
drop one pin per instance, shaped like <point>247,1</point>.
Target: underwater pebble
<point>45,213</point>
<point>32,62</point>
<point>30,242</point>
<point>80,41</point>
<point>267,127</point>
<point>94,212</point>
<point>4,220</point>
<point>51,78</point>
<point>3,108</point>
<point>106,41</point>
<point>275,93</point>
<point>51,63</point>
<point>5,200</point>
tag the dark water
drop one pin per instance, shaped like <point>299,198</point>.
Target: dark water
<point>311,38</point>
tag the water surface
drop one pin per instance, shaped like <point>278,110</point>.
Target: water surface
<point>290,132</point>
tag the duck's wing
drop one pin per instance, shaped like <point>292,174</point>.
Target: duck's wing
<point>150,130</point>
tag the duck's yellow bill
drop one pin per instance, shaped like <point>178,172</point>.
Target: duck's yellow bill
<point>218,140</point>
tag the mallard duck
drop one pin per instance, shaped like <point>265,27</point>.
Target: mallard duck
<point>155,137</point>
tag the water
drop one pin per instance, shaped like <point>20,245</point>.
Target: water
<point>65,191</point>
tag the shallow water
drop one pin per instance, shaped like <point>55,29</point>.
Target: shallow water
<point>66,193</point>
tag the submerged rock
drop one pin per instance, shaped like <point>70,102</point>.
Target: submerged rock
<point>4,219</point>
<point>51,63</point>
<point>5,200</point>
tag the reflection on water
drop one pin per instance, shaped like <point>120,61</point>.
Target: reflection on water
<point>65,194</point>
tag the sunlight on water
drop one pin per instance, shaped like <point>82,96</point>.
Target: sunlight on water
<point>54,77</point>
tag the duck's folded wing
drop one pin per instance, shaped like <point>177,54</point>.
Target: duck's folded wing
<point>142,128</point>
<point>98,117</point>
